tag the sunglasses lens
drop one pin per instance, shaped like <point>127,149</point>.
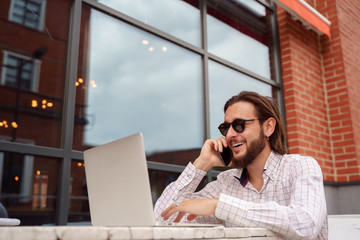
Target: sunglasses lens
<point>223,128</point>
<point>238,125</point>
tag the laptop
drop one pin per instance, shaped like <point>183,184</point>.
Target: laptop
<point>118,183</point>
<point>119,187</point>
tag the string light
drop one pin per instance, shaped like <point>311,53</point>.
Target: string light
<point>4,124</point>
<point>34,103</point>
<point>45,104</point>
<point>14,125</point>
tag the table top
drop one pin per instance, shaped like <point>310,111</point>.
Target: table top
<point>112,233</point>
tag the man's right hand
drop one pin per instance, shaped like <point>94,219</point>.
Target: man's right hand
<point>209,155</point>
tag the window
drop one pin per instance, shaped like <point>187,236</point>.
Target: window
<point>27,12</point>
<point>143,76</point>
<point>19,71</point>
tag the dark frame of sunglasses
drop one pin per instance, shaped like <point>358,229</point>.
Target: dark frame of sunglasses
<point>238,125</point>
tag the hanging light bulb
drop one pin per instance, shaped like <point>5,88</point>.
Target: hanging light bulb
<point>14,125</point>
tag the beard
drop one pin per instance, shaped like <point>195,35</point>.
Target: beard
<point>254,149</point>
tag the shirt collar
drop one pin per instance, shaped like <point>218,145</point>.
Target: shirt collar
<point>243,179</point>
<point>272,165</point>
<point>269,169</point>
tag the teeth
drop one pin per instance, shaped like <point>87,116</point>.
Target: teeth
<point>238,144</point>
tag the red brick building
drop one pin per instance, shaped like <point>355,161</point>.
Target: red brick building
<point>322,91</point>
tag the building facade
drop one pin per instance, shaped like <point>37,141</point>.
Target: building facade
<point>79,73</point>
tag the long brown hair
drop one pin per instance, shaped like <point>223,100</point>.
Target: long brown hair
<point>266,107</point>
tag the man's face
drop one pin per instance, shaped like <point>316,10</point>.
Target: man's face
<point>246,146</point>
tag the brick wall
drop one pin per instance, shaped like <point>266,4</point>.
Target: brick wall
<point>349,22</point>
<point>321,89</point>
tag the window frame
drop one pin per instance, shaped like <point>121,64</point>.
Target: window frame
<point>40,17</point>
<point>35,69</point>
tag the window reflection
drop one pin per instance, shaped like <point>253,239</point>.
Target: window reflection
<point>29,184</point>
<point>223,84</point>
<point>138,82</point>
<point>242,39</point>
<point>29,13</point>
<point>252,6</point>
<point>33,65</point>
<point>159,180</point>
<point>178,18</point>
<point>78,199</point>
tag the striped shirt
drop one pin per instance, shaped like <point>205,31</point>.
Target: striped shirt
<point>291,201</point>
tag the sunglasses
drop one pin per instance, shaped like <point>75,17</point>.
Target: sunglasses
<point>238,125</point>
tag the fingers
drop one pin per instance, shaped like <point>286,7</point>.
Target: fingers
<point>168,212</point>
<point>222,144</point>
<point>179,217</point>
<point>191,217</point>
<point>174,208</point>
<point>217,144</point>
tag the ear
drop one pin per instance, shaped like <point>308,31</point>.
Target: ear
<point>269,126</point>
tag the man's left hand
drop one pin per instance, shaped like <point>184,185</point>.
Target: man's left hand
<point>195,207</point>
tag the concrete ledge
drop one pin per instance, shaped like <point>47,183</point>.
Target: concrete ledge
<point>132,233</point>
<point>344,227</point>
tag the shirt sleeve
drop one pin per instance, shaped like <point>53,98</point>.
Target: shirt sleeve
<point>303,218</point>
<point>183,189</point>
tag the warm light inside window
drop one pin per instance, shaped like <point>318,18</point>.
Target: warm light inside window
<point>79,164</point>
<point>38,172</point>
<point>4,124</point>
<point>14,125</point>
<point>49,104</point>
<point>34,103</point>
<point>80,80</point>
<point>93,83</point>
<point>16,178</point>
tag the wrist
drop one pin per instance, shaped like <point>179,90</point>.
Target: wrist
<point>202,165</point>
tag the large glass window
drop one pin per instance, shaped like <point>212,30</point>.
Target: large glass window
<point>137,82</point>
<point>33,66</point>
<point>240,34</point>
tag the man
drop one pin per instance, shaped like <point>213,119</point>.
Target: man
<point>267,188</point>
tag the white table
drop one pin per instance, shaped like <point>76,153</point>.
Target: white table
<point>112,233</point>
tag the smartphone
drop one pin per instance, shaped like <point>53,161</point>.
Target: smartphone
<point>226,156</point>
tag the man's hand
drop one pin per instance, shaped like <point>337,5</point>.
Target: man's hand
<point>209,156</point>
<point>195,207</point>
